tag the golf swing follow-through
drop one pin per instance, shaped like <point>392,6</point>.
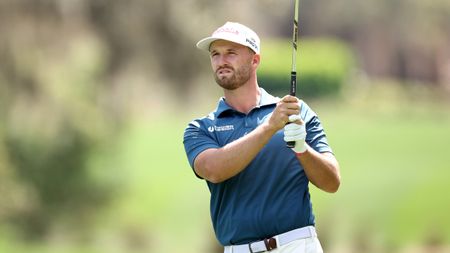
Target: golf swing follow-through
<point>259,187</point>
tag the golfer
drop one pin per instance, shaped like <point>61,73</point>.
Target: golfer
<point>260,199</point>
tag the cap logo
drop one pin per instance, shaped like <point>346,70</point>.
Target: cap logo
<point>251,42</point>
<point>227,30</point>
<point>233,32</point>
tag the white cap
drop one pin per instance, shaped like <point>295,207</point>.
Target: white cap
<point>233,32</point>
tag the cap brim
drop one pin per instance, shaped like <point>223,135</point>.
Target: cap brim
<point>205,43</point>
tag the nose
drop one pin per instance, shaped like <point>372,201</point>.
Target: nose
<point>219,61</point>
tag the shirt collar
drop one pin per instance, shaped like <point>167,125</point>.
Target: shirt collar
<point>265,99</point>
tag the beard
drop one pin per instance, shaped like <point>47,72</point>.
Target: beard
<point>237,79</point>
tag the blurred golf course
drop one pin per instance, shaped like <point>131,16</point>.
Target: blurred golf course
<point>95,97</point>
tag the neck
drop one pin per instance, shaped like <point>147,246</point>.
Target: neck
<point>244,98</point>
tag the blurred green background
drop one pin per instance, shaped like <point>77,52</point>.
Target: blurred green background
<point>95,96</point>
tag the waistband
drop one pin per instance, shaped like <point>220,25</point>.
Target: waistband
<point>273,242</point>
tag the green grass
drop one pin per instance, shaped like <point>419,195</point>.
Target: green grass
<point>395,170</point>
<point>163,202</point>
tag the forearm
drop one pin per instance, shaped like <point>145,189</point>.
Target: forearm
<point>322,169</point>
<point>217,165</point>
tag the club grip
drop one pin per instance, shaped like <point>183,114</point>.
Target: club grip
<point>293,90</point>
<point>291,144</point>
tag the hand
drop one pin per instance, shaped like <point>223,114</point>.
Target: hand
<point>288,105</point>
<point>295,131</point>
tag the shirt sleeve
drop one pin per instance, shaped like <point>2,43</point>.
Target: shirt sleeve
<point>196,140</point>
<point>315,134</point>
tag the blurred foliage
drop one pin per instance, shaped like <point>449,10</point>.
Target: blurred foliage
<point>51,125</point>
<point>323,66</point>
<point>406,39</point>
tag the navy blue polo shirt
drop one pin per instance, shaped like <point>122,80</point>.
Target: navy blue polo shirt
<point>270,196</point>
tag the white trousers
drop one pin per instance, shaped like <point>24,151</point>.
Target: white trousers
<point>307,245</point>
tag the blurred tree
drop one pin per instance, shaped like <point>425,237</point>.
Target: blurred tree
<point>323,68</point>
<point>152,34</point>
<point>406,39</point>
<point>50,118</point>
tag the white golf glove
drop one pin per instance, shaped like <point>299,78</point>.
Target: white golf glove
<point>297,133</point>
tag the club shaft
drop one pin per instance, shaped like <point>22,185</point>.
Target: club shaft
<point>295,38</point>
<point>293,86</point>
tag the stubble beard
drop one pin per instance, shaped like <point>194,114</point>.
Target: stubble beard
<point>239,78</point>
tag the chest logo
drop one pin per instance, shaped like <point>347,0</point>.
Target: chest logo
<point>262,120</point>
<point>220,128</point>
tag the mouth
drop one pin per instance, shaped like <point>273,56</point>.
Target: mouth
<point>222,71</point>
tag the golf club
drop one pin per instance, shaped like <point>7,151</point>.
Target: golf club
<point>293,88</point>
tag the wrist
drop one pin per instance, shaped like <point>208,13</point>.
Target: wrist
<point>301,149</point>
<point>268,128</point>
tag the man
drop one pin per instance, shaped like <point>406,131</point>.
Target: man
<point>260,199</point>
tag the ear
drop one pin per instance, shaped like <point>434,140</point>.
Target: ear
<point>256,60</point>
